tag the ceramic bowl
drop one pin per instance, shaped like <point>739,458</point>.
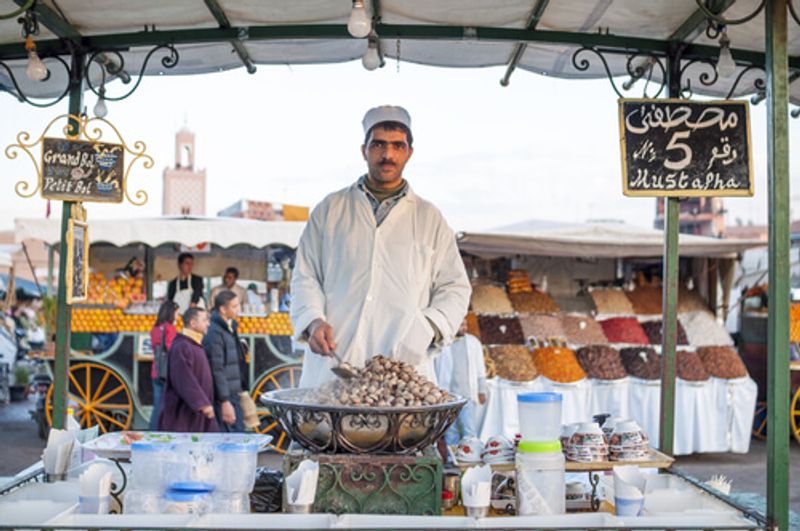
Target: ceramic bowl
<point>469,450</point>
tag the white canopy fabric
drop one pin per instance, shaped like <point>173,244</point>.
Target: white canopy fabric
<point>190,231</point>
<point>598,240</point>
<point>644,19</point>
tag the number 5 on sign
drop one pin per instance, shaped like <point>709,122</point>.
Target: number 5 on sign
<point>687,151</point>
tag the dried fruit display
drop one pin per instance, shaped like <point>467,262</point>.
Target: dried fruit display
<point>690,367</point>
<point>519,281</point>
<point>624,330</point>
<point>558,364</point>
<point>583,330</point>
<point>794,323</point>
<point>500,330</point>
<point>513,362</point>
<point>601,362</point>
<point>542,327</point>
<point>383,382</point>
<point>611,302</point>
<point>691,301</point>
<point>641,362</point>
<point>646,301</point>
<point>472,325</point>
<point>722,362</point>
<point>533,302</point>
<point>654,329</point>
<point>703,330</point>
<point>490,299</point>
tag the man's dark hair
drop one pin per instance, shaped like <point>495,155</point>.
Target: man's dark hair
<point>391,126</point>
<point>223,298</point>
<point>184,256</point>
<point>233,271</point>
<point>190,315</point>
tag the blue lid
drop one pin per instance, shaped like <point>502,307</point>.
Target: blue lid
<point>237,447</point>
<point>538,398</point>
<point>142,446</point>
<point>183,495</point>
<point>191,486</point>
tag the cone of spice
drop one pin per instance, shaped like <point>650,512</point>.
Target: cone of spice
<point>654,331</point>
<point>500,330</point>
<point>513,362</point>
<point>601,362</point>
<point>641,362</point>
<point>624,330</point>
<point>611,302</point>
<point>542,327</point>
<point>646,301</point>
<point>691,301</point>
<point>703,330</point>
<point>533,302</point>
<point>690,367</point>
<point>558,364</point>
<point>490,299</point>
<point>722,362</point>
<point>583,330</point>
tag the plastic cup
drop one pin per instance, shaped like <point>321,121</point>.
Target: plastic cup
<point>625,507</point>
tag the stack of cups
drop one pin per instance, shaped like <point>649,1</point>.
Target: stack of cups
<point>539,461</point>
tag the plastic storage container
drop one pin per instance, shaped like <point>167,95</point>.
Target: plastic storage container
<point>151,465</point>
<point>539,416</point>
<point>541,486</point>
<point>238,463</point>
<point>187,502</point>
<point>142,502</point>
<point>197,462</point>
<point>230,502</point>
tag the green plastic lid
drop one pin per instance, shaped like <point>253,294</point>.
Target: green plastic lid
<point>539,447</point>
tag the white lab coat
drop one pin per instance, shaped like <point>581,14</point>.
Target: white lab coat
<point>377,286</point>
<point>464,350</point>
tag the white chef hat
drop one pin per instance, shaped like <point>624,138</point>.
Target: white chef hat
<point>385,113</point>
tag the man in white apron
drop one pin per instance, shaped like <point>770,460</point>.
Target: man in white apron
<point>377,268</point>
<point>186,290</point>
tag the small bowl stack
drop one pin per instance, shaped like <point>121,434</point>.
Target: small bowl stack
<point>628,442</point>
<point>498,451</point>
<point>587,444</point>
<point>469,450</point>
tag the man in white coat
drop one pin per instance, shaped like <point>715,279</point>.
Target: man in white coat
<point>377,268</point>
<point>461,371</point>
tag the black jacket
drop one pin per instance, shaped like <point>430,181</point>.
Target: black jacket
<point>197,288</point>
<point>223,351</point>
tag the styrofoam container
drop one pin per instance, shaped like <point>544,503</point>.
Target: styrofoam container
<point>539,416</point>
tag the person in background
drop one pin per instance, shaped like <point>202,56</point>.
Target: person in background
<point>188,400</point>
<point>186,289</point>
<point>229,284</point>
<point>224,352</point>
<point>460,370</point>
<point>253,298</point>
<point>164,330</point>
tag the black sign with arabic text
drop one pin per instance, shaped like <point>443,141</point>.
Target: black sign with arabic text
<point>681,148</point>
<point>74,170</point>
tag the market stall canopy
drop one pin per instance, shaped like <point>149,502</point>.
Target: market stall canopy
<point>189,231</point>
<point>591,240</point>
<point>6,251</point>
<point>534,35</point>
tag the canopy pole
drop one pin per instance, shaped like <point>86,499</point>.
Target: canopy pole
<point>63,312</point>
<point>666,432</point>
<point>778,323</point>
<point>50,267</point>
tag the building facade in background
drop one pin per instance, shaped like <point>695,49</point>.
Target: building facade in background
<point>264,211</point>
<point>184,185</point>
<point>702,216</point>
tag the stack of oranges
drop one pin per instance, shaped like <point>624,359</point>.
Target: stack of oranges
<point>99,320</point>
<point>276,324</point>
<point>120,291</point>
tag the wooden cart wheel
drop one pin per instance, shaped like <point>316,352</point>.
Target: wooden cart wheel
<point>794,415</point>
<point>102,397</point>
<point>281,377</point>
<point>760,421</point>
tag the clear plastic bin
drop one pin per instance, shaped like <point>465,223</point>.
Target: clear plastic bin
<point>197,462</point>
<point>142,502</point>
<point>230,502</point>
<point>541,488</point>
<point>151,465</point>
<point>539,416</point>
<point>187,502</point>
<point>238,463</point>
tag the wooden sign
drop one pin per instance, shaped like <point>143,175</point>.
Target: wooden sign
<point>682,148</point>
<point>77,274</point>
<point>75,170</point>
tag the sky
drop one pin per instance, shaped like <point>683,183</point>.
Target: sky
<point>486,155</point>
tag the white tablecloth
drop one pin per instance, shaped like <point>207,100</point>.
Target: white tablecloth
<point>711,416</point>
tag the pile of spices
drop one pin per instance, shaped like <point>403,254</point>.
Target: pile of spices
<point>703,330</point>
<point>611,302</point>
<point>500,330</point>
<point>558,364</point>
<point>654,331</point>
<point>691,301</point>
<point>690,367</point>
<point>533,302</point>
<point>583,330</point>
<point>624,330</point>
<point>722,362</point>
<point>601,362</point>
<point>542,327</point>
<point>490,299</point>
<point>641,362</point>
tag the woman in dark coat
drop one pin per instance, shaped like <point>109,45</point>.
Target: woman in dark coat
<point>187,405</point>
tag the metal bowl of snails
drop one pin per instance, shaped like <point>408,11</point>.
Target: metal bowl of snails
<point>373,413</point>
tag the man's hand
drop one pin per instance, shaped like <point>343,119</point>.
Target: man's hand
<point>320,337</point>
<point>208,411</point>
<point>481,398</point>
<point>228,413</point>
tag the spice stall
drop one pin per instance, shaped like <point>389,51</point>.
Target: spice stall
<point>660,43</point>
<point>111,331</point>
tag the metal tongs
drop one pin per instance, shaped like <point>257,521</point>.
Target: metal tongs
<point>344,370</point>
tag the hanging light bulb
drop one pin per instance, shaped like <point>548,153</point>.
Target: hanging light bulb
<point>726,66</point>
<point>100,109</point>
<point>359,24</point>
<point>371,59</point>
<point>36,70</point>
